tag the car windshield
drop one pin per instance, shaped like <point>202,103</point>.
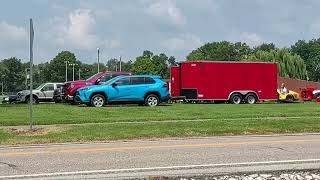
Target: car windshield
<point>110,80</point>
<point>39,87</point>
<point>92,77</point>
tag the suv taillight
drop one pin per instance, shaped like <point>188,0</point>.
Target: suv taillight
<point>165,85</point>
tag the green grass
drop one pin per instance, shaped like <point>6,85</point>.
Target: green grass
<point>99,124</point>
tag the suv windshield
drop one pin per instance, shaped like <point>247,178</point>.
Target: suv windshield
<point>90,78</point>
<point>39,87</point>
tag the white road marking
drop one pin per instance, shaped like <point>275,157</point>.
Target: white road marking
<point>107,171</point>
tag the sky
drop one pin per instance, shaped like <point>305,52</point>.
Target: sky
<point>128,27</point>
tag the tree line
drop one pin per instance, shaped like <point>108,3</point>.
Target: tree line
<point>13,72</point>
<point>300,61</point>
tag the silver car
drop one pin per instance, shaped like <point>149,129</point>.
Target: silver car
<point>42,93</point>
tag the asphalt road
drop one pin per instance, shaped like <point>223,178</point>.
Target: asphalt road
<point>118,160</point>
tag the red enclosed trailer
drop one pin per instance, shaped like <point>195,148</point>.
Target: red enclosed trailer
<point>235,82</point>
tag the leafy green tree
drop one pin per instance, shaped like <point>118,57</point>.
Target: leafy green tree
<point>56,68</point>
<point>13,74</point>
<point>149,63</point>
<point>289,65</point>
<point>310,52</point>
<point>265,47</point>
<point>220,51</point>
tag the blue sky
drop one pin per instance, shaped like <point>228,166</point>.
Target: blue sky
<point>127,27</point>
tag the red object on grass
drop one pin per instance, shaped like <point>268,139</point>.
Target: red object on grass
<point>220,80</point>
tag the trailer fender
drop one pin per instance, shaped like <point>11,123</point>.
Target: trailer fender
<point>243,93</point>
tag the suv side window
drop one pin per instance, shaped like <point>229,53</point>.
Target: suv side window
<point>149,80</point>
<point>59,86</point>
<point>48,87</point>
<point>123,81</point>
<point>137,80</point>
<point>107,77</point>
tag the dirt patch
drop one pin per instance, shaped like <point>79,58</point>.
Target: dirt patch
<point>36,131</point>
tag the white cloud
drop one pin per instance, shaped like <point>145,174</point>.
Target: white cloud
<point>182,42</point>
<point>252,39</point>
<point>77,31</point>
<point>11,33</point>
<point>167,10</point>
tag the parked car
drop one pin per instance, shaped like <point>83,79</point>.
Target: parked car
<point>316,94</point>
<point>70,88</point>
<point>42,93</point>
<point>140,89</point>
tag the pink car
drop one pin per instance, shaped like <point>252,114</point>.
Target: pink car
<point>70,87</point>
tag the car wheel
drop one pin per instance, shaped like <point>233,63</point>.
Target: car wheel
<point>152,100</point>
<point>98,100</point>
<point>236,99</point>
<point>251,98</point>
<point>289,98</point>
<point>34,100</point>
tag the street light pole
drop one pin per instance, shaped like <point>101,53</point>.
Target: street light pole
<point>120,64</point>
<point>98,51</point>
<point>66,70</point>
<point>73,70</point>
<point>79,73</point>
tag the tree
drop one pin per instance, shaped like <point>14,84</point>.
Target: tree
<point>310,52</point>
<point>220,51</point>
<point>289,65</point>
<point>56,68</point>
<point>149,63</point>
<point>265,47</point>
<point>13,74</point>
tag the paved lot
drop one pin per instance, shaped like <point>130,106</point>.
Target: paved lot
<point>112,160</point>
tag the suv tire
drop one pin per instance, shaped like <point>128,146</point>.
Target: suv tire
<point>152,100</point>
<point>34,100</point>
<point>97,100</point>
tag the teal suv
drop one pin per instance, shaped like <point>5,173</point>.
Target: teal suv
<point>140,89</point>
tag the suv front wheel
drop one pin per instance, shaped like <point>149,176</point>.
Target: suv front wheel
<point>151,100</point>
<point>98,100</point>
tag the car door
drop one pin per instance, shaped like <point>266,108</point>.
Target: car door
<point>120,90</point>
<point>138,87</point>
<point>47,91</point>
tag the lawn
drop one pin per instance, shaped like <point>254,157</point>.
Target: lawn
<point>81,123</point>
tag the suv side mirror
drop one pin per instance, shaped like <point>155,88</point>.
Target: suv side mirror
<point>97,81</point>
<point>114,84</point>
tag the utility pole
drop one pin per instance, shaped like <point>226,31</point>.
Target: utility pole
<point>120,64</point>
<point>2,87</point>
<point>98,51</point>
<point>31,70</point>
<point>73,70</point>
<point>116,64</point>
<point>79,73</point>
<point>66,70</point>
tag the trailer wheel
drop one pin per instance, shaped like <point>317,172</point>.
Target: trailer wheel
<point>251,98</point>
<point>235,99</point>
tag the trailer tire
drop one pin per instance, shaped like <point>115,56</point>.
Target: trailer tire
<point>251,98</point>
<point>235,98</point>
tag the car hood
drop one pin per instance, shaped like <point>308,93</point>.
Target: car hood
<point>78,83</point>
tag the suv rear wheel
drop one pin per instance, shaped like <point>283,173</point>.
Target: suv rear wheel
<point>152,100</point>
<point>98,100</point>
<point>34,100</point>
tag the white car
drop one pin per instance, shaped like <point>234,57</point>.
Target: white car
<point>42,93</point>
